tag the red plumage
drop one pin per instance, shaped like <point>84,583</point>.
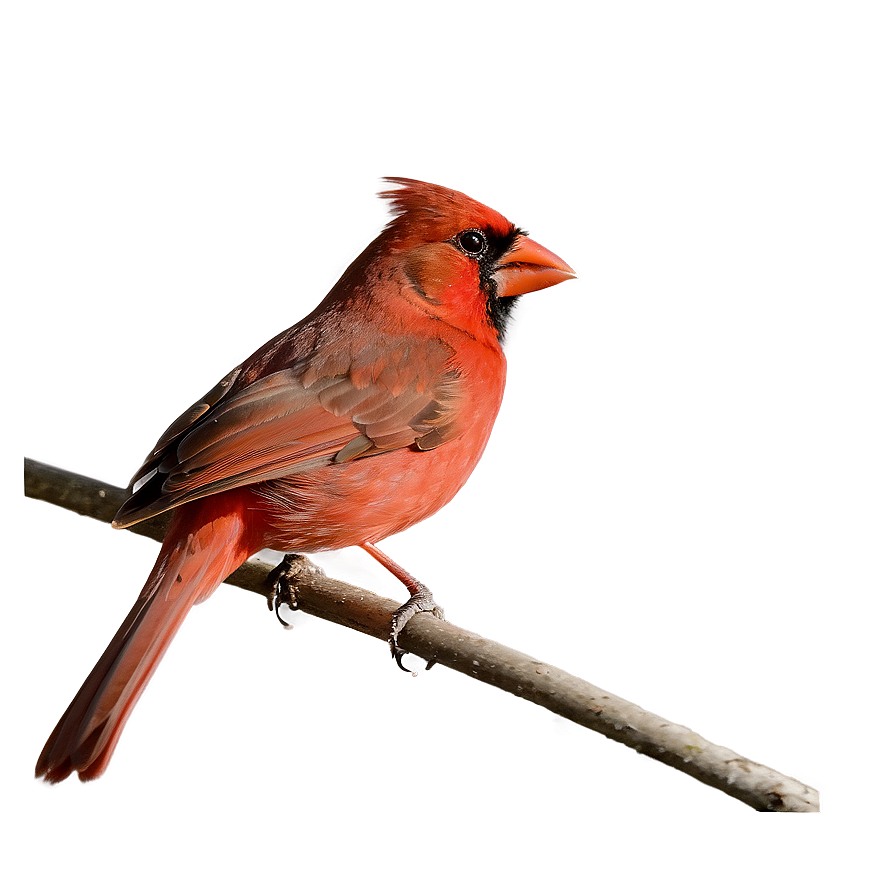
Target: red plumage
<point>359,421</point>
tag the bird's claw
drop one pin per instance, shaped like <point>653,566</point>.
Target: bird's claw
<point>421,602</point>
<point>285,585</point>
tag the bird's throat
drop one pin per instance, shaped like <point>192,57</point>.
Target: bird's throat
<point>500,312</point>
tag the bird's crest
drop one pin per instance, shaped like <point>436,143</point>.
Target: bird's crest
<point>417,203</point>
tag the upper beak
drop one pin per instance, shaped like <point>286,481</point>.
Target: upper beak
<point>528,267</point>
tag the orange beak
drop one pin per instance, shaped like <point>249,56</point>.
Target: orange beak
<point>528,267</point>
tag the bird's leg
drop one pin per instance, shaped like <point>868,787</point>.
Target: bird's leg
<point>284,585</point>
<point>421,601</point>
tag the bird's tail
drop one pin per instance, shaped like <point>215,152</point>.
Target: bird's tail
<point>207,541</point>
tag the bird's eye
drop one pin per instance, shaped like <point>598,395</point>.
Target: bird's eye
<point>472,242</point>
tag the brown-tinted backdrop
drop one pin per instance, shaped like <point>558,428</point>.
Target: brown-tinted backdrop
<point>687,497</point>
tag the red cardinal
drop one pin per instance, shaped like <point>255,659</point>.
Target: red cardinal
<point>359,421</point>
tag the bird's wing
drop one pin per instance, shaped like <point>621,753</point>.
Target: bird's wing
<point>315,412</point>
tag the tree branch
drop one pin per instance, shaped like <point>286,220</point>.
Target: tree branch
<point>438,641</point>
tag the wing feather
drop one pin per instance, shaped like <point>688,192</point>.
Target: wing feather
<point>321,409</point>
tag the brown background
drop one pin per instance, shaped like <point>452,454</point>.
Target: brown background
<point>687,497</point>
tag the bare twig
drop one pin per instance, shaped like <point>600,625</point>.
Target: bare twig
<point>439,641</point>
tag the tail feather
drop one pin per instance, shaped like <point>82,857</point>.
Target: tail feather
<point>205,543</point>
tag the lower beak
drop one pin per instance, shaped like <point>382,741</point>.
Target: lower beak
<point>528,267</point>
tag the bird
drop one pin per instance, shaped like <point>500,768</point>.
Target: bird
<point>364,418</point>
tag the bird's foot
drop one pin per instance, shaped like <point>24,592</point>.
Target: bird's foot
<point>421,602</point>
<point>286,581</point>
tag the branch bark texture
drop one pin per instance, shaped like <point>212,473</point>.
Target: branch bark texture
<point>438,641</point>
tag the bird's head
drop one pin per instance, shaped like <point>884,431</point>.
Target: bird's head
<point>465,263</point>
